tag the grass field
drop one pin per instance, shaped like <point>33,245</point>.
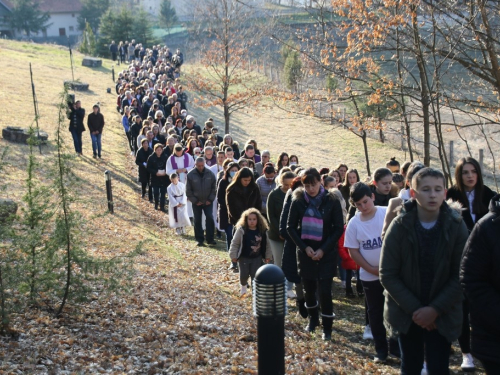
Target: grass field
<point>184,314</point>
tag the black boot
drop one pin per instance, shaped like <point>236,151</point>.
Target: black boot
<point>313,313</point>
<point>301,306</point>
<point>327,327</point>
<point>349,293</point>
<point>359,288</point>
<point>156,205</point>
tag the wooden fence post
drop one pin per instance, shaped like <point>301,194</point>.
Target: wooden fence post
<point>481,159</point>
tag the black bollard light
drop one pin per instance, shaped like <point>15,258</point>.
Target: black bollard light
<point>109,192</point>
<point>269,306</point>
<point>113,72</point>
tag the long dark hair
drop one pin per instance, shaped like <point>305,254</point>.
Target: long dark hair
<point>346,179</point>
<point>478,207</point>
<point>280,161</point>
<point>244,172</point>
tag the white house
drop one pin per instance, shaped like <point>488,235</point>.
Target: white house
<point>63,17</point>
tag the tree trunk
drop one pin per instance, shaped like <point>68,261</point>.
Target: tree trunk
<point>424,89</point>
<point>226,118</point>
<point>365,147</point>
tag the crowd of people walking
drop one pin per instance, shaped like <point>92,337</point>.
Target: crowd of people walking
<point>424,258</point>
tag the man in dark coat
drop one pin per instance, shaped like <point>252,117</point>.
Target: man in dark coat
<point>113,48</point>
<point>157,165</point>
<point>479,272</point>
<point>76,127</point>
<point>141,160</point>
<point>200,190</point>
<point>95,122</point>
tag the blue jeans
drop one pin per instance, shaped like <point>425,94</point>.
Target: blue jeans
<point>159,196</point>
<point>229,235</point>
<point>77,140</point>
<point>341,270</point>
<point>413,344</point>
<point>209,223</point>
<point>96,143</point>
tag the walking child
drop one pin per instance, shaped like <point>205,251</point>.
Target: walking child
<point>250,245</point>
<point>363,239</point>
<point>177,209</point>
<point>419,269</point>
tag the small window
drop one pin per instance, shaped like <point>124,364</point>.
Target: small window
<point>62,31</point>
<point>71,28</point>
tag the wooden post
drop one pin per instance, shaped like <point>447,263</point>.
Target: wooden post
<point>452,155</point>
<point>271,72</point>
<point>343,118</point>
<point>264,64</point>
<point>321,109</point>
<point>331,113</point>
<point>481,159</point>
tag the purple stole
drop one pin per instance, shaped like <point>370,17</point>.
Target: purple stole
<point>175,208</point>
<point>186,161</point>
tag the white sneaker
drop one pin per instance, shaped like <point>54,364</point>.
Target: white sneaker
<point>367,334</point>
<point>243,289</point>
<point>183,230</point>
<point>131,153</point>
<point>467,363</point>
<point>424,369</point>
<point>291,294</point>
<point>343,284</point>
<point>178,231</point>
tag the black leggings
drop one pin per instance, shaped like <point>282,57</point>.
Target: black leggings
<point>464,339</point>
<point>325,294</point>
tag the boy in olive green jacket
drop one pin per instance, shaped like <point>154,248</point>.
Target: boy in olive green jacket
<point>419,270</point>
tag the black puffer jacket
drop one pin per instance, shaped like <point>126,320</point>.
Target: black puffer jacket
<point>155,164</point>
<point>142,157</point>
<point>239,200</point>
<point>289,261</point>
<point>454,194</point>
<point>479,276</point>
<point>333,227</point>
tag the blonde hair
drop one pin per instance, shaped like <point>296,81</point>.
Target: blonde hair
<point>261,222</point>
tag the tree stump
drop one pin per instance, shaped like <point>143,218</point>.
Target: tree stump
<point>21,135</point>
<point>77,86</point>
<point>8,208</point>
<point>92,62</point>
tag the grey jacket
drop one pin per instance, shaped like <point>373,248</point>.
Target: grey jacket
<point>400,274</point>
<point>200,186</point>
<point>237,245</point>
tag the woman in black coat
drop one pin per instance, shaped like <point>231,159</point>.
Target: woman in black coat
<point>222,214</point>
<point>479,277</point>
<point>141,159</point>
<point>135,130</point>
<point>289,260</point>
<point>315,224</point>
<point>242,193</point>
<point>475,197</point>
<point>157,167</point>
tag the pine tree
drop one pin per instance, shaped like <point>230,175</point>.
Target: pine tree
<point>91,13</point>
<point>293,69</point>
<point>26,16</point>
<point>88,44</point>
<point>141,28</point>
<point>36,214</point>
<point>168,16</point>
